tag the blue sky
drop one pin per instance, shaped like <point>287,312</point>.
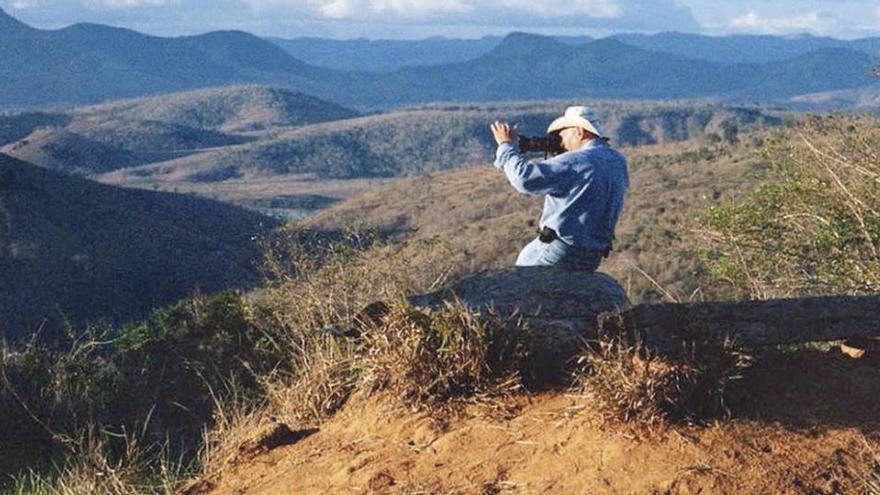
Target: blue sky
<point>460,18</point>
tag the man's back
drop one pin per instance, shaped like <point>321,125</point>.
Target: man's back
<point>584,188</point>
<point>587,212</point>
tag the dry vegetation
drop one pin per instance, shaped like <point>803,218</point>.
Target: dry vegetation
<point>813,225</point>
<point>805,424</point>
<point>433,138</point>
<point>633,385</point>
<point>428,359</point>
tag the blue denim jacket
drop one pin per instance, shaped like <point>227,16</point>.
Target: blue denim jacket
<point>584,190</point>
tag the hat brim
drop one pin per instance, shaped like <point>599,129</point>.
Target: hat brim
<point>567,121</point>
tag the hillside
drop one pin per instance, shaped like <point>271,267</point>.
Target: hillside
<point>96,139</point>
<point>800,418</point>
<point>861,99</point>
<point>532,66</point>
<point>384,55</point>
<point>306,386</point>
<point>233,109</point>
<point>431,138</point>
<point>480,218</point>
<point>787,442</point>
<point>388,55</point>
<point>72,250</point>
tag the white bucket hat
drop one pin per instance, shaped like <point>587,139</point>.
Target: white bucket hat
<point>583,117</point>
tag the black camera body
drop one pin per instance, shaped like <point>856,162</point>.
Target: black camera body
<point>550,144</point>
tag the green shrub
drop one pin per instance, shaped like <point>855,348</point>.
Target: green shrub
<point>163,377</point>
<point>813,225</point>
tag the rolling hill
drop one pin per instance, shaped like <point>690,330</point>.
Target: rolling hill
<point>133,132</point>
<point>529,66</point>
<point>72,250</point>
<point>384,55</point>
<point>234,109</point>
<point>431,138</point>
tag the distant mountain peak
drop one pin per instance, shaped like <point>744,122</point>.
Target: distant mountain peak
<point>9,23</point>
<point>526,44</point>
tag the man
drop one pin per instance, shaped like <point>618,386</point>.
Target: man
<point>584,189</point>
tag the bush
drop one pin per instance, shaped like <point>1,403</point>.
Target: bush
<point>427,358</point>
<point>813,226</point>
<point>633,385</point>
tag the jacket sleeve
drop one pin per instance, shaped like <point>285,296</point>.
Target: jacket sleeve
<point>538,178</point>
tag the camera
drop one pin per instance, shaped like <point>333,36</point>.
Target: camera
<point>550,144</point>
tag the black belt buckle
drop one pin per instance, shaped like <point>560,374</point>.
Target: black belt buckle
<point>547,235</point>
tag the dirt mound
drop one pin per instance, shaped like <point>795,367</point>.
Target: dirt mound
<point>811,424</point>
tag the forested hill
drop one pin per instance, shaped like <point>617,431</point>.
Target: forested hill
<point>74,250</point>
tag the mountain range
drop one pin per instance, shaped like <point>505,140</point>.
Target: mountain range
<point>87,63</point>
<point>389,55</point>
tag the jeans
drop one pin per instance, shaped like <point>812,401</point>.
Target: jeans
<point>537,253</point>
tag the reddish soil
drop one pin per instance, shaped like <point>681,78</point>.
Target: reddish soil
<point>811,425</point>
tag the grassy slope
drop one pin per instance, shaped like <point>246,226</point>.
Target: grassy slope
<point>487,222</point>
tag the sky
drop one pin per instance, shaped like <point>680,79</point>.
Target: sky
<point>413,19</point>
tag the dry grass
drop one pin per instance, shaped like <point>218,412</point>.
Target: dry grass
<point>91,468</point>
<point>325,376</point>
<point>871,479</point>
<point>320,289</point>
<point>872,484</point>
<point>321,279</point>
<point>634,385</point>
<point>812,227</point>
<point>430,358</point>
<point>235,426</point>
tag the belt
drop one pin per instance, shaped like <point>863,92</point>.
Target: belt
<point>548,235</point>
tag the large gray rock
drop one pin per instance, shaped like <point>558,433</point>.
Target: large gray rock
<point>535,292</point>
<point>560,307</point>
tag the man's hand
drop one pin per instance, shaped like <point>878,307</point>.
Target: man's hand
<point>502,132</point>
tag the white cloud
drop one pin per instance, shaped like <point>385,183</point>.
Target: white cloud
<point>561,8</point>
<point>424,9</point>
<point>420,8</point>
<point>118,4</point>
<point>21,5</point>
<point>364,9</point>
<point>754,22</point>
<point>369,18</point>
